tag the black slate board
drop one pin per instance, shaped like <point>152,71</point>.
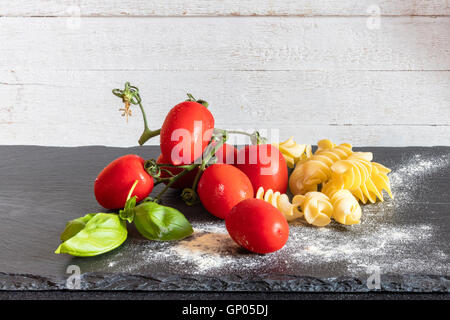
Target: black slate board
<point>41,188</point>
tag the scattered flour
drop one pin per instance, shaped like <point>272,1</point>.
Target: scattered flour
<point>379,241</point>
<point>373,245</point>
<point>407,177</point>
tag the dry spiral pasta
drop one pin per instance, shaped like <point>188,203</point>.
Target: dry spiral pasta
<point>316,207</point>
<point>363,178</point>
<point>281,202</point>
<point>293,152</point>
<point>311,172</point>
<point>346,209</point>
<point>343,175</point>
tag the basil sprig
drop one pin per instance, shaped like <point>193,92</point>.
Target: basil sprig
<point>97,233</point>
<point>93,234</point>
<point>157,222</point>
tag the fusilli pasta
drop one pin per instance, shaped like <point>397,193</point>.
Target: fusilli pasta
<point>281,202</point>
<point>316,207</point>
<point>293,152</point>
<point>365,179</point>
<point>346,209</point>
<point>309,173</point>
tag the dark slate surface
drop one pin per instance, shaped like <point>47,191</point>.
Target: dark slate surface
<point>208,295</point>
<point>41,188</point>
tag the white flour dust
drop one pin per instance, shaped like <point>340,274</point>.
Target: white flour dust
<point>374,245</point>
<point>377,242</point>
<point>407,176</point>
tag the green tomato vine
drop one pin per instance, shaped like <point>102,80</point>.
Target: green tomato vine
<point>130,96</point>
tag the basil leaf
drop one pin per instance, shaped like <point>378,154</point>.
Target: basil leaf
<point>75,226</point>
<point>157,222</point>
<point>103,232</point>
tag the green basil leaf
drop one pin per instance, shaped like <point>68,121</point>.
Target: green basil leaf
<point>103,232</point>
<point>75,226</point>
<point>157,222</point>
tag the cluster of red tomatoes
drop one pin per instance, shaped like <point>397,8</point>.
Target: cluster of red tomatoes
<point>226,188</point>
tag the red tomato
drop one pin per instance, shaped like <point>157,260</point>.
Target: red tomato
<point>221,187</point>
<point>265,166</point>
<point>114,182</point>
<point>226,154</point>
<point>186,132</point>
<point>185,181</point>
<point>257,226</point>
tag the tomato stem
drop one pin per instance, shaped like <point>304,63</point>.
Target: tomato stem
<point>189,195</point>
<point>202,102</point>
<point>255,137</point>
<point>173,179</point>
<point>239,132</point>
<point>130,95</point>
<point>209,155</point>
<point>147,134</point>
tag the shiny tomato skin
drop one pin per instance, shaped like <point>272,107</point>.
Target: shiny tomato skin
<point>114,182</point>
<point>268,171</point>
<point>185,181</point>
<point>221,187</point>
<point>184,117</point>
<point>257,226</point>
<point>226,154</point>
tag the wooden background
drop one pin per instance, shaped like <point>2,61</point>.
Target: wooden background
<point>312,69</point>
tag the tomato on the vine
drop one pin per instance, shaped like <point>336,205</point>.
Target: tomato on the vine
<point>265,166</point>
<point>257,226</point>
<point>185,181</point>
<point>221,187</point>
<point>186,132</point>
<point>114,182</point>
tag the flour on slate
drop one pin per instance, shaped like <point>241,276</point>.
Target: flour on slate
<point>376,243</point>
<point>408,176</point>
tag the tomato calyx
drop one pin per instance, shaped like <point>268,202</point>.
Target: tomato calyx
<point>255,137</point>
<point>202,102</point>
<point>155,169</point>
<point>189,196</point>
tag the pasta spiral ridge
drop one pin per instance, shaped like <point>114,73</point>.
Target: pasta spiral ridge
<point>281,202</point>
<point>346,207</point>
<point>293,152</point>
<point>366,180</point>
<point>309,173</point>
<point>316,207</point>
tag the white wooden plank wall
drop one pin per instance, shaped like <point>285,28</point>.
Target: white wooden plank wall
<point>312,69</point>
